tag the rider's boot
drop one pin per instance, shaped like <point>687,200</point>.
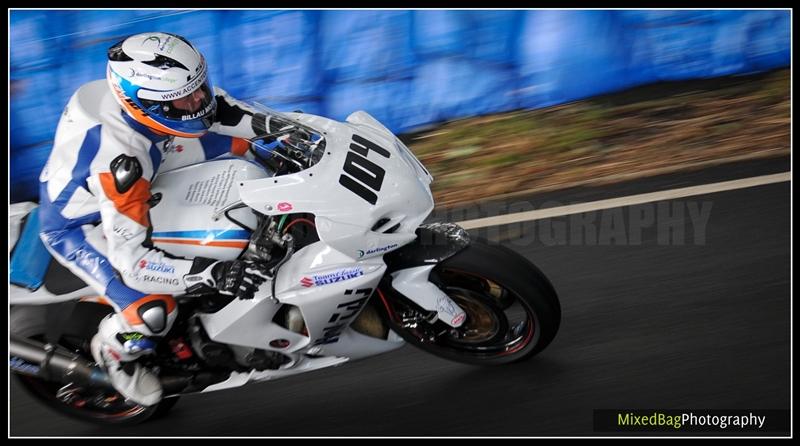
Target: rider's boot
<point>117,349</point>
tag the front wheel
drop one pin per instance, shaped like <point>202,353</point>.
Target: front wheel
<point>512,310</point>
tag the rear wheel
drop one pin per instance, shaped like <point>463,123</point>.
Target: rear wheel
<point>512,310</point>
<point>103,406</point>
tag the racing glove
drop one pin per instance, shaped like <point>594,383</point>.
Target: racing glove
<point>230,277</point>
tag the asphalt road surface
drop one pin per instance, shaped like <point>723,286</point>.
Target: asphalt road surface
<point>700,320</point>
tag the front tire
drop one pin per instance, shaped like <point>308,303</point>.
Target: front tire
<point>512,309</point>
<point>96,406</point>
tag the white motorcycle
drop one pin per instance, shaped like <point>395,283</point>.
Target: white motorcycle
<point>336,210</point>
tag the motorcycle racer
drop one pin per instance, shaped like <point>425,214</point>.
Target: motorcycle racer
<point>95,197</point>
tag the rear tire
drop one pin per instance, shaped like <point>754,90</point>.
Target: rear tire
<point>98,407</point>
<point>512,309</point>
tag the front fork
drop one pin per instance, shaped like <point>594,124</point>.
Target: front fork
<point>412,264</point>
<point>414,285</point>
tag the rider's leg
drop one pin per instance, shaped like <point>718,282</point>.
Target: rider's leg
<point>139,319</point>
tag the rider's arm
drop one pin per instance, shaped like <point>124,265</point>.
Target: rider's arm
<point>234,123</point>
<point>237,119</point>
<point>214,145</point>
<point>120,179</point>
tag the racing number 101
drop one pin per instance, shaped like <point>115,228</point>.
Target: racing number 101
<point>362,176</point>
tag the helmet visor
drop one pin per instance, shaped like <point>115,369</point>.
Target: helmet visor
<point>196,105</point>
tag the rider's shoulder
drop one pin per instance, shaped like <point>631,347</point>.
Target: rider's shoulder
<point>221,92</point>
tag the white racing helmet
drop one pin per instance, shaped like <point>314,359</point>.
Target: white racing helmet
<point>161,81</point>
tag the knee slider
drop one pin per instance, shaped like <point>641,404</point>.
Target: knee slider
<point>157,314</point>
<point>154,315</point>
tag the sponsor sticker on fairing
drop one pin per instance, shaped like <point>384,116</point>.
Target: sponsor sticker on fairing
<point>336,276</point>
<point>382,249</point>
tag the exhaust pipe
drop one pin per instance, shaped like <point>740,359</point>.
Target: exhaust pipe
<point>50,363</point>
<point>40,360</point>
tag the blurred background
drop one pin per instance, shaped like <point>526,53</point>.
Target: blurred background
<point>412,70</point>
<point>494,103</point>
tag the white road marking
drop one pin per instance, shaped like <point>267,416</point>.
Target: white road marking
<point>625,201</point>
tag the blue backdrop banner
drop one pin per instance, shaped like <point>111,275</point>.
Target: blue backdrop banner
<point>407,68</point>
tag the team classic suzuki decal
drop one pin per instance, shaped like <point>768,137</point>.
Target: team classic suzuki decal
<point>336,276</point>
